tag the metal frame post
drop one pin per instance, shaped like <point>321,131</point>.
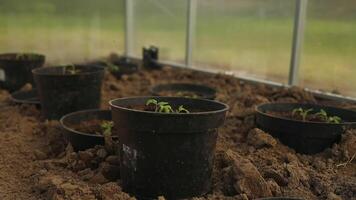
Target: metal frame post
<point>129,27</point>
<point>298,39</point>
<point>190,31</point>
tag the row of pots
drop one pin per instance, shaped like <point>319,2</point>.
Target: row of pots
<point>169,154</point>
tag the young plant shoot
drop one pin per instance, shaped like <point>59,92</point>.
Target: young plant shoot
<point>70,69</point>
<point>106,127</point>
<point>301,112</point>
<point>164,107</point>
<point>322,115</point>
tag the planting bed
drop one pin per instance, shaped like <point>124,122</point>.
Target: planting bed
<point>37,163</point>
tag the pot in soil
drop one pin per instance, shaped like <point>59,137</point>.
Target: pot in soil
<point>66,89</point>
<point>305,130</point>
<point>184,90</point>
<point>169,154</point>
<point>26,97</point>
<point>84,129</point>
<point>15,69</point>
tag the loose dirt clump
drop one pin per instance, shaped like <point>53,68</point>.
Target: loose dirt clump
<point>38,163</point>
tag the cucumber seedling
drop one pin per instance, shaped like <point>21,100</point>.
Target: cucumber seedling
<point>330,119</point>
<point>111,67</point>
<point>24,56</point>
<point>70,69</point>
<point>164,107</point>
<point>301,112</point>
<point>110,144</point>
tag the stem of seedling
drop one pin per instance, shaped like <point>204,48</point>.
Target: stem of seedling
<point>70,69</point>
<point>106,127</point>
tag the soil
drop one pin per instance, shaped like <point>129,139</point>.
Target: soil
<point>90,127</point>
<point>37,163</point>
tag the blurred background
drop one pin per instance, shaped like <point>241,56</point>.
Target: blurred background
<point>252,38</point>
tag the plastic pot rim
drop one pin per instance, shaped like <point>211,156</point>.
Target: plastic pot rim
<point>41,71</point>
<point>11,55</point>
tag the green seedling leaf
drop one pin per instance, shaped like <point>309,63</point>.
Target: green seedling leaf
<point>334,120</point>
<point>297,111</point>
<point>106,127</point>
<point>151,102</point>
<point>181,109</point>
<point>305,113</point>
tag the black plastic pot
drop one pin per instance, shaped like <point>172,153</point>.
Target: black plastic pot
<point>26,97</point>
<point>80,140</point>
<point>15,69</point>
<point>202,91</point>
<point>61,93</point>
<point>167,154</point>
<point>280,198</point>
<point>304,136</point>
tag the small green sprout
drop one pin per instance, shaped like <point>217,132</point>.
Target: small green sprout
<point>301,112</point>
<point>181,109</point>
<point>187,95</point>
<point>71,69</point>
<point>106,127</point>
<point>164,107</point>
<point>23,56</point>
<point>334,120</point>
<point>322,114</point>
<point>112,67</point>
<point>330,119</point>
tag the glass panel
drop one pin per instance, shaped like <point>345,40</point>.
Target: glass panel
<point>250,38</point>
<point>328,61</point>
<point>161,23</point>
<point>64,30</point>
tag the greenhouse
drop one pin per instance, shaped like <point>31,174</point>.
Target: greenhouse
<point>178,99</point>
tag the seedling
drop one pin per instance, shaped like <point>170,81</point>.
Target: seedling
<point>183,94</point>
<point>330,119</point>
<point>23,56</point>
<point>181,109</point>
<point>71,69</point>
<point>301,112</point>
<point>106,127</point>
<point>111,67</point>
<point>322,114</point>
<point>164,107</point>
<point>110,144</point>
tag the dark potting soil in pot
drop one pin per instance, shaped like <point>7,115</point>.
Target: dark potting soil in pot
<point>249,163</point>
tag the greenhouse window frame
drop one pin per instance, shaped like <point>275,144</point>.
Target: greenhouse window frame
<point>300,19</point>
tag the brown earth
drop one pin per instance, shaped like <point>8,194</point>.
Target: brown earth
<point>37,163</point>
